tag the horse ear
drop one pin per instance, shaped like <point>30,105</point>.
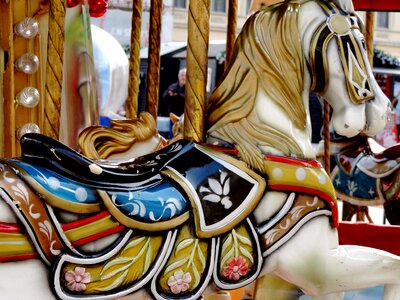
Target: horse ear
<point>346,5</point>
<point>173,117</point>
<point>258,4</point>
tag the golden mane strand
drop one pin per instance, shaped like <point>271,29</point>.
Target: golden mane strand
<point>267,55</point>
<point>99,142</point>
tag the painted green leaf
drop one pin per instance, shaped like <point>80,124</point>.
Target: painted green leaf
<point>116,271</point>
<point>196,275</point>
<point>184,244</point>
<point>117,282</point>
<point>227,243</point>
<point>201,257</point>
<point>115,261</point>
<point>244,240</point>
<point>176,265</point>
<point>247,254</point>
<point>148,259</point>
<point>135,242</point>
<point>227,256</point>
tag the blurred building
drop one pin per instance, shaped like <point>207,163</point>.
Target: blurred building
<point>387,34</point>
<point>218,18</point>
<point>118,21</point>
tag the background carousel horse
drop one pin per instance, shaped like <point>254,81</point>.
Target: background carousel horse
<point>366,174</point>
<point>245,225</point>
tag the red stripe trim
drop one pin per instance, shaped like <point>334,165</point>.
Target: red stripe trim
<point>85,221</point>
<point>97,236</point>
<point>9,227</point>
<point>328,199</point>
<point>383,5</point>
<point>276,158</point>
<point>293,161</point>
<point>231,151</point>
<point>18,257</point>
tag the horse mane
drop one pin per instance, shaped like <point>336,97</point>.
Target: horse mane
<point>268,56</point>
<point>99,142</point>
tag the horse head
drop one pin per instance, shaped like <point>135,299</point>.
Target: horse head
<point>341,72</point>
<point>283,52</point>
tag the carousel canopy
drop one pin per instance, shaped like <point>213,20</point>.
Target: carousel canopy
<point>382,5</point>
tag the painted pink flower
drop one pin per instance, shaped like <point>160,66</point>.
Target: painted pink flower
<point>236,268</point>
<point>77,279</point>
<point>179,282</point>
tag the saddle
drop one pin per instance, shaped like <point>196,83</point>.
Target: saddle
<point>361,170</point>
<point>52,154</point>
<point>381,153</point>
<point>151,193</point>
<point>147,201</point>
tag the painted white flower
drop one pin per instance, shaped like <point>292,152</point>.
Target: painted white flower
<point>218,191</point>
<point>179,282</point>
<point>77,279</point>
<point>352,186</point>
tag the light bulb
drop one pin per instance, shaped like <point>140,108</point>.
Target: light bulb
<point>29,97</point>
<point>27,28</point>
<point>27,63</point>
<point>27,128</point>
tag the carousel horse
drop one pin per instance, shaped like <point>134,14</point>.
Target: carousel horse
<point>366,174</point>
<point>250,202</point>
<point>178,125</point>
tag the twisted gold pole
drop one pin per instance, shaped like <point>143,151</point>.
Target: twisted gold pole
<point>134,61</point>
<point>197,61</point>
<point>7,89</point>
<point>369,35</point>
<point>231,33</point>
<point>153,71</point>
<point>55,50</point>
<point>327,137</point>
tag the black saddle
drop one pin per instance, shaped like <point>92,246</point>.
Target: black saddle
<point>45,151</point>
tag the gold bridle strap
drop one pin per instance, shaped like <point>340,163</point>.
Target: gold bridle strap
<point>344,28</point>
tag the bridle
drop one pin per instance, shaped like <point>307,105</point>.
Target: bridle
<point>345,28</point>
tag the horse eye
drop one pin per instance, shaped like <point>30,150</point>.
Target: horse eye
<point>363,43</point>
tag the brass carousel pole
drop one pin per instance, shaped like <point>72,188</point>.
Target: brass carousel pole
<point>362,212</point>
<point>231,33</point>
<point>327,137</point>
<point>134,61</point>
<point>55,50</point>
<point>8,94</point>
<point>369,35</point>
<point>197,62</point>
<point>20,36</point>
<point>153,71</point>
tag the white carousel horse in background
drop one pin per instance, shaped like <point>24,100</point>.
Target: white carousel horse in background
<point>259,112</point>
<point>112,70</point>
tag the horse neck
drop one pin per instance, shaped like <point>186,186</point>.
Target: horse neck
<point>272,116</point>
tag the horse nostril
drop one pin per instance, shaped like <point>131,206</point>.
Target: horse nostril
<point>346,126</point>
